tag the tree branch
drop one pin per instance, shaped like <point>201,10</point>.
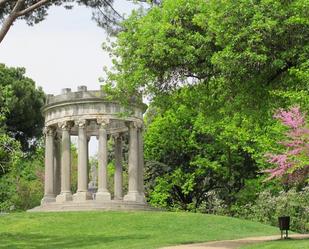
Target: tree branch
<point>10,19</point>
<point>106,17</point>
<point>32,7</point>
<point>115,11</point>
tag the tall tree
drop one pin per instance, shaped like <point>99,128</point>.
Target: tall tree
<point>248,46</point>
<point>216,70</point>
<point>23,118</point>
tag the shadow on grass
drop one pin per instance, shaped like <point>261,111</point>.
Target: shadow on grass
<point>38,241</point>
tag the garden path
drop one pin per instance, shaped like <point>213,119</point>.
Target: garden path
<point>233,244</point>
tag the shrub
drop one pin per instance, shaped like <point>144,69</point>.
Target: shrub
<point>268,207</point>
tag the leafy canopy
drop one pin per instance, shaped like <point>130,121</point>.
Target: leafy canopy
<point>216,71</point>
<point>248,48</point>
<point>23,117</point>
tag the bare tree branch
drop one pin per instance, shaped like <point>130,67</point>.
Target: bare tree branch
<point>106,17</point>
<point>115,11</point>
<point>32,7</point>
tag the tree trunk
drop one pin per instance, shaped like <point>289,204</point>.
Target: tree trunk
<point>6,26</point>
<point>10,19</point>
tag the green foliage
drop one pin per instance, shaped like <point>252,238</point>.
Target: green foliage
<point>215,72</point>
<point>5,97</point>
<point>21,187</point>
<point>192,150</point>
<point>269,206</point>
<point>21,122</point>
<point>245,51</point>
<point>23,102</point>
<point>9,153</point>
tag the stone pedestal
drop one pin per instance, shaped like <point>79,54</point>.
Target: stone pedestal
<point>82,196</point>
<point>103,196</point>
<point>47,199</point>
<point>64,197</point>
<point>135,196</point>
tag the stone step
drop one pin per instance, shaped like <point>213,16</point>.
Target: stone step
<point>93,205</point>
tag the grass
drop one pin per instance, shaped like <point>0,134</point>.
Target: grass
<point>281,244</point>
<point>138,230</point>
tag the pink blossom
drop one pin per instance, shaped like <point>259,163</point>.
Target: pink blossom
<point>295,151</point>
<point>292,118</point>
<point>298,144</point>
<point>294,143</point>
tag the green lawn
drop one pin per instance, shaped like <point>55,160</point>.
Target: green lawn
<point>120,229</point>
<point>281,244</point>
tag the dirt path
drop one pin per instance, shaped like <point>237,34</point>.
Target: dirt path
<point>233,244</point>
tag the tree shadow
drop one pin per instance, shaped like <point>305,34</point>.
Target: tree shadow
<point>39,241</point>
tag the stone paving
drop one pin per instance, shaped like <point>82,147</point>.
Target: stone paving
<point>233,244</point>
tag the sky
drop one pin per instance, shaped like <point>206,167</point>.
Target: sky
<point>63,51</point>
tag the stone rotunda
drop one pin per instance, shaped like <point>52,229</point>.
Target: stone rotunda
<point>85,114</point>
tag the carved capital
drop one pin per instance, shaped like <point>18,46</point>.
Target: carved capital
<point>117,136</point>
<point>66,125</point>
<point>49,131</point>
<point>138,124</point>
<point>81,123</point>
<point>103,122</point>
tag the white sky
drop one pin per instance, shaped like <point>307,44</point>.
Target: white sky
<point>62,51</point>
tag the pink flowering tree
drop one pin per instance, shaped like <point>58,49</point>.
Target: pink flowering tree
<point>294,162</point>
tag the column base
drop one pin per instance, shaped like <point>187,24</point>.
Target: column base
<point>103,196</point>
<point>135,196</point>
<point>47,199</point>
<point>63,197</point>
<point>82,196</point>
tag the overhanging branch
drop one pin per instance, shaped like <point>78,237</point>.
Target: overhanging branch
<point>8,22</point>
<point>32,7</point>
<point>115,11</point>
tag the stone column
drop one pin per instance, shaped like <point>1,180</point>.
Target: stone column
<point>57,165</point>
<point>141,162</point>
<point>88,167</point>
<point>133,193</point>
<point>82,193</point>
<point>102,193</point>
<point>118,168</point>
<point>65,194</point>
<point>49,195</point>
